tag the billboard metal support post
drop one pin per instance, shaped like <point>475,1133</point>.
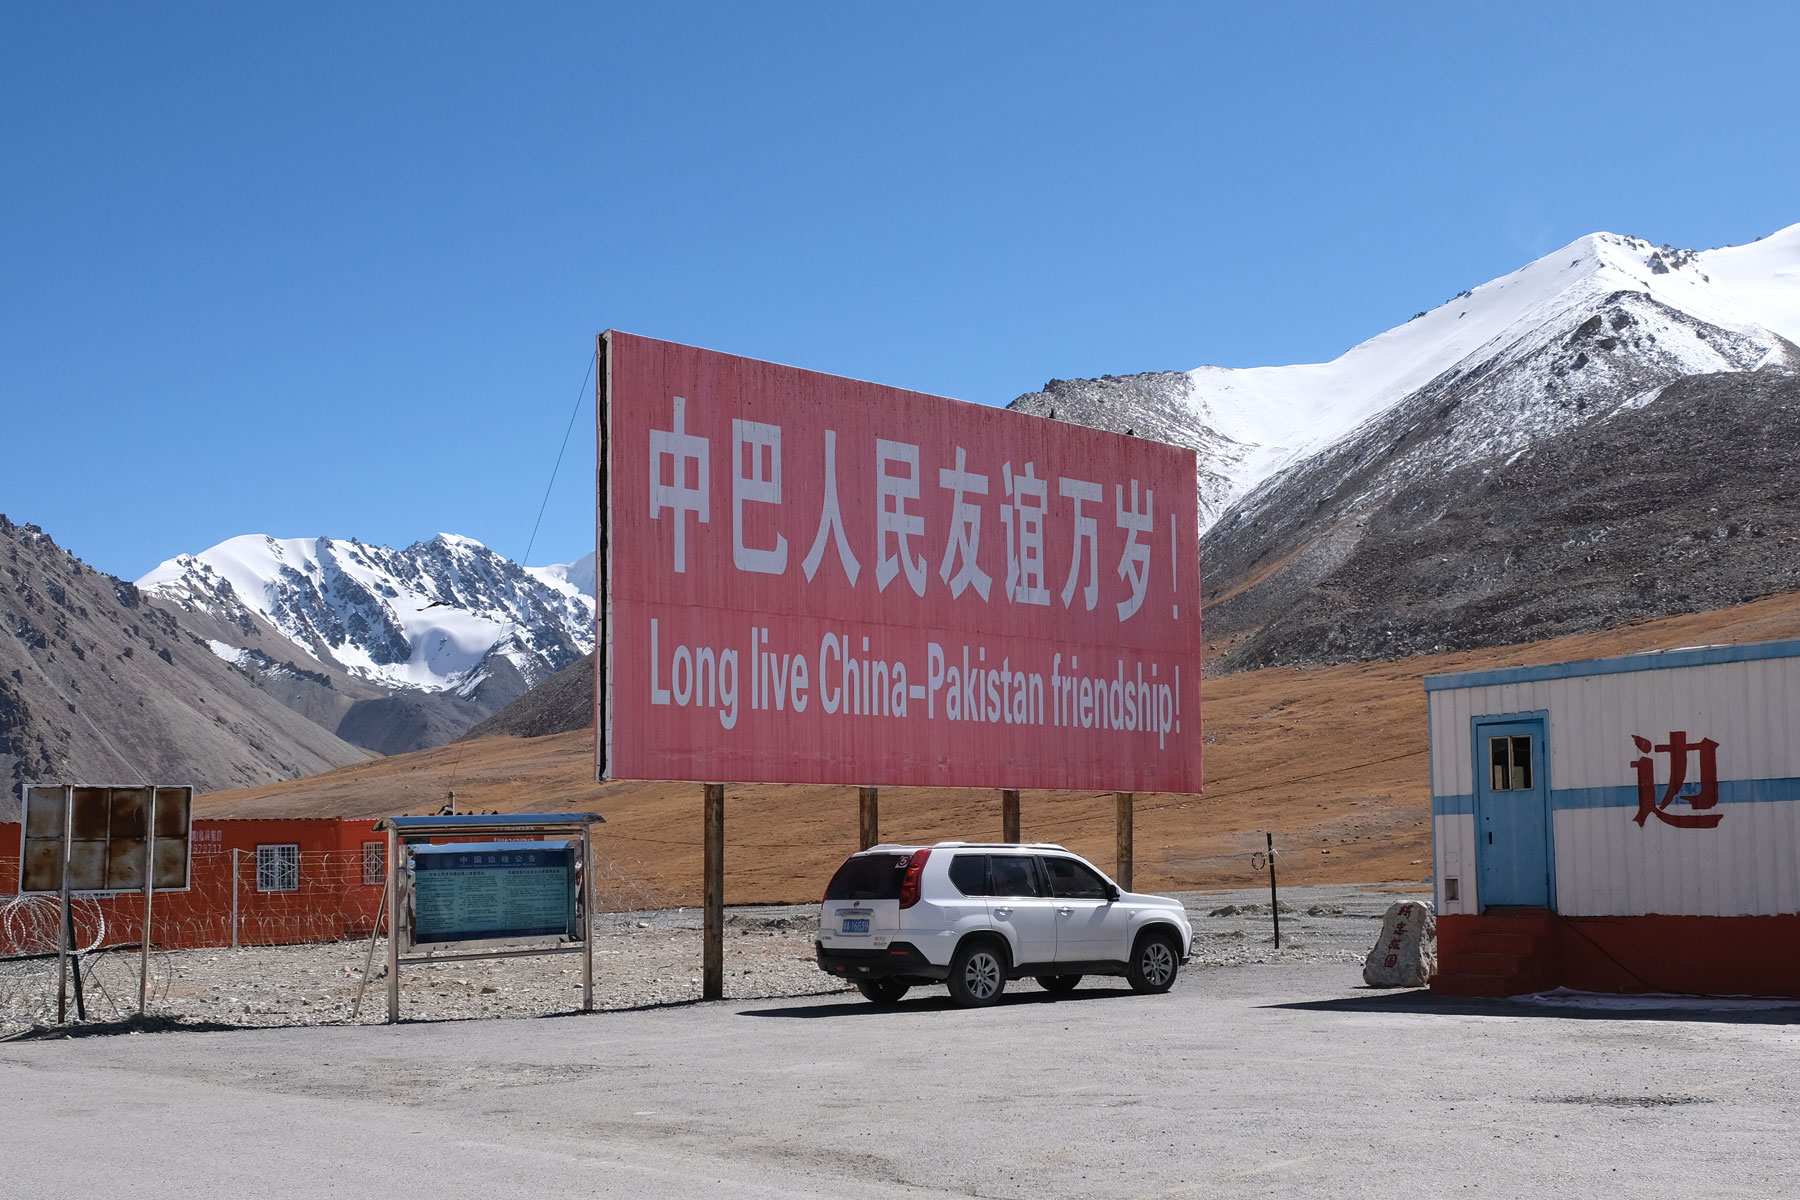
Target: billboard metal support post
<point>713,895</point>
<point>149,895</point>
<point>1123,852</point>
<point>1009,815</point>
<point>868,802</point>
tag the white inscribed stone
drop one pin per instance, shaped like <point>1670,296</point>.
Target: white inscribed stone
<point>1406,953</point>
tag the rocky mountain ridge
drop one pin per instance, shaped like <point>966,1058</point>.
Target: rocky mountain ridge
<point>101,682</point>
<point>393,650</point>
<point>1577,350</point>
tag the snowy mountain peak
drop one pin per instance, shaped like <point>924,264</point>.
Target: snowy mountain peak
<point>435,616</point>
<point>1669,313</point>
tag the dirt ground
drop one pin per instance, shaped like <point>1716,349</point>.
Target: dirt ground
<point>641,958</point>
<point>1331,760</point>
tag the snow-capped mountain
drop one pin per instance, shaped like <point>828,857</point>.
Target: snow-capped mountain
<point>1607,319</point>
<point>1321,483</point>
<point>578,574</point>
<point>438,616</point>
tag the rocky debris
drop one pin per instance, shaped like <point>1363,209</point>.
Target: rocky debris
<point>1405,955</point>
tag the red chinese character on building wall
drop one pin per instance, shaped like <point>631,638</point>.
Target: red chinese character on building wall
<point>1678,748</point>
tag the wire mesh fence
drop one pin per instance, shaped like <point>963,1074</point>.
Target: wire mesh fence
<point>241,926</point>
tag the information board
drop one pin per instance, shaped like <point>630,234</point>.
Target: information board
<point>811,579</point>
<point>484,891</point>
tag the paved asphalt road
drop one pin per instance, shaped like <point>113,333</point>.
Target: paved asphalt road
<point>1257,1080</point>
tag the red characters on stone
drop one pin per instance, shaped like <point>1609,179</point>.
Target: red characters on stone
<point>1678,748</point>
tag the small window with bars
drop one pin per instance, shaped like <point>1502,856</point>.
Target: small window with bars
<point>374,864</point>
<point>278,868</point>
<point>1509,760</point>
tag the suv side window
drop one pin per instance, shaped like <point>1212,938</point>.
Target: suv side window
<point>1072,880</point>
<point>969,872</point>
<point>1013,875</point>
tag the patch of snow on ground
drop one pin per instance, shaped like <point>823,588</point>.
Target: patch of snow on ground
<point>232,654</point>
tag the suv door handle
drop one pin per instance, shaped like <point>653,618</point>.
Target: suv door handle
<point>1065,911</point>
<point>1003,911</point>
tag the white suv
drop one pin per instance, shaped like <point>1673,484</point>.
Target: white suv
<point>974,915</point>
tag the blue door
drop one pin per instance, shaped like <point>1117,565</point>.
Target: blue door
<point>1512,812</point>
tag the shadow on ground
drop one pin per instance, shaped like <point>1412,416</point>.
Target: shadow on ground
<point>938,1003</point>
<point>1420,1002</point>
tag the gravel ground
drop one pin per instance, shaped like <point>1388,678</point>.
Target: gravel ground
<point>641,959</point>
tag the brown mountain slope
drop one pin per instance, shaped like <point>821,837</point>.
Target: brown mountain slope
<point>101,683</point>
<point>1332,759</point>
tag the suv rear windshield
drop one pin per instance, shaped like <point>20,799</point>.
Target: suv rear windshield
<point>868,877</point>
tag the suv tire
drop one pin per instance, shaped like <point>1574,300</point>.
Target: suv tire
<point>1155,960</point>
<point>882,991</point>
<point>977,973</point>
<point>1058,985</point>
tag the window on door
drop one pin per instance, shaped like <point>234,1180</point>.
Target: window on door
<point>1013,875</point>
<point>1509,760</point>
<point>1071,880</point>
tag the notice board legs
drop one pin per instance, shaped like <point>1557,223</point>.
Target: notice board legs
<point>868,824</point>
<point>1122,857</point>
<point>1009,815</point>
<point>392,895</point>
<point>713,895</point>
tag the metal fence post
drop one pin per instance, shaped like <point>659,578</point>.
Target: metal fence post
<point>234,898</point>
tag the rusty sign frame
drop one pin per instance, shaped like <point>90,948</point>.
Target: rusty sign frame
<point>48,805</point>
<point>164,818</point>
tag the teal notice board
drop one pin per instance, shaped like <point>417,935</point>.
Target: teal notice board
<point>477,891</point>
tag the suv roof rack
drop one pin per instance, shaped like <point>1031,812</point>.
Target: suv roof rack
<point>894,847</point>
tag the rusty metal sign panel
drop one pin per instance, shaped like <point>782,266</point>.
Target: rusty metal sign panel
<point>105,838</point>
<point>810,579</point>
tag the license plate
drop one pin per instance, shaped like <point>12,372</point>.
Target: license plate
<point>856,924</point>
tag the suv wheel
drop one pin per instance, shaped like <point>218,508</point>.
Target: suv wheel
<point>1058,985</point>
<point>1154,962</point>
<point>882,991</point>
<point>977,974</point>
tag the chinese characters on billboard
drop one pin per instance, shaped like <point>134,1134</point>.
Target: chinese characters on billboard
<point>810,579</point>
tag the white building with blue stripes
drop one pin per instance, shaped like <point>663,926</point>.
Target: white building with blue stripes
<point>1620,824</point>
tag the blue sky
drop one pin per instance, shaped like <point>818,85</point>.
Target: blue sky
<point>337,269</point>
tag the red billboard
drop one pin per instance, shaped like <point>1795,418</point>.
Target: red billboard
<point>811,579</point>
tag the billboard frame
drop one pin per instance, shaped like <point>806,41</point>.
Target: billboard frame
<point>713,793</point>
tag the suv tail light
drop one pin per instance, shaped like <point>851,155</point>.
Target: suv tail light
<point>909,883</point>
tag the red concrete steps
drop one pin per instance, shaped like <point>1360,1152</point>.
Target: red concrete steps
<point>1504,952</point>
